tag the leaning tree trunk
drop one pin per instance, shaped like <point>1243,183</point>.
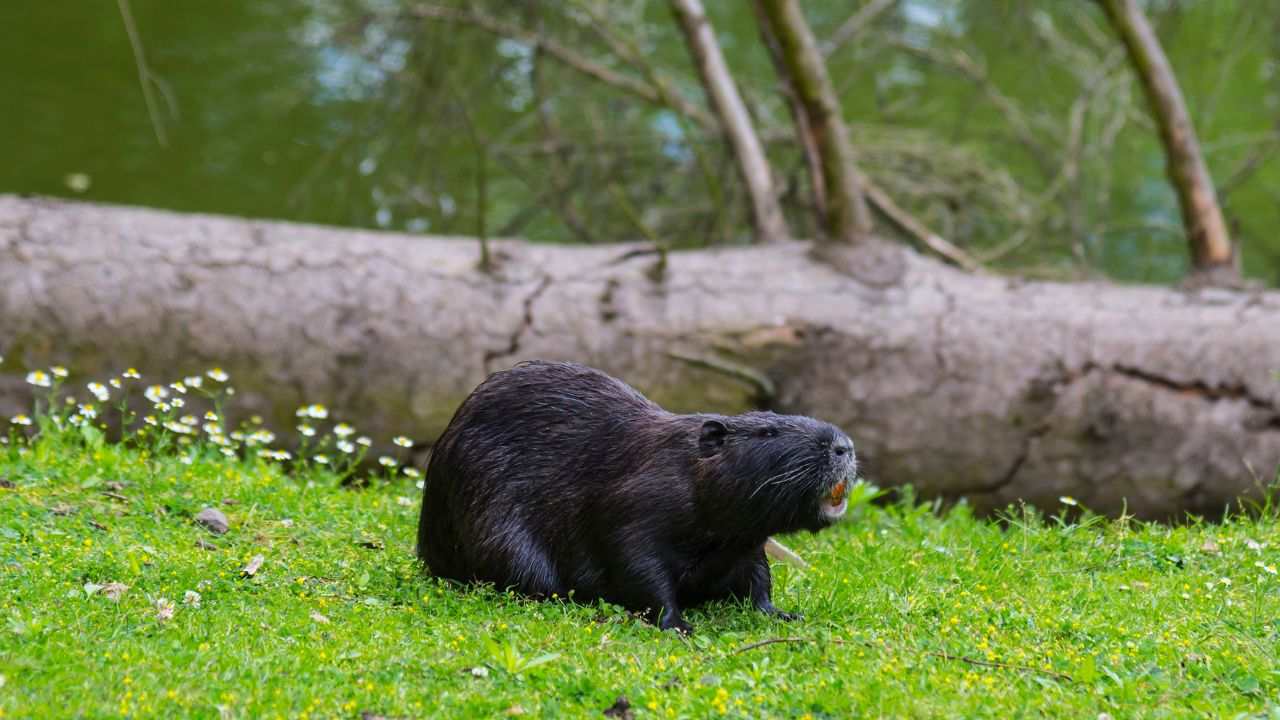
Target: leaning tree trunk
<point>961,385</point>
<point>804,69</point>
<point>1207,235</point>
<point>753,166</point>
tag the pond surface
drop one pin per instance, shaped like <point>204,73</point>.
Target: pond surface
<point>275,109</point>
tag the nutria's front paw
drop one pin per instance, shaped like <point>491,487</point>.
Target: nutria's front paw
<point>677,624</point>
<point>769,609</point>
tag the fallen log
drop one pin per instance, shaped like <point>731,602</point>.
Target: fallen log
<point>1157,400</point>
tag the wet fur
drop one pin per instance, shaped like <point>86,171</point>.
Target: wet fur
<point>554,477</point>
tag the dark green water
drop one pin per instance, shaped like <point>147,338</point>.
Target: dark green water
<point>297,109</point>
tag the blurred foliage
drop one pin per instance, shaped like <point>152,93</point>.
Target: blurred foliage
<point>1015,129</point>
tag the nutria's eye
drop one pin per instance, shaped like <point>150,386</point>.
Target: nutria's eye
<point>768,432</point>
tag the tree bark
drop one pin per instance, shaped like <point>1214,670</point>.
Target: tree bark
<point>748,152</point>
<point>1210,242</point>
<point>805,71</point>
<point>963,385</point>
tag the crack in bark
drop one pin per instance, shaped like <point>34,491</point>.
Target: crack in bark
<point>1196,389</point>
<point>526,321</point>
<point>1019,460</point>
<point>1200,388</point>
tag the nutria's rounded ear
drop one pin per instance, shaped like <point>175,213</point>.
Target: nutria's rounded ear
<point>712,437</point>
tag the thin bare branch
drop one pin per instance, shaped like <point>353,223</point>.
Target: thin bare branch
<point>960,62</point>
<point>1259,156</point>
<point>475,18</point>
<point>856,23</point>
<point>763,385</point>
<point>664,88</point>
<point>904,220</point>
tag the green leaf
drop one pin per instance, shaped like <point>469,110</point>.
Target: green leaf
<point>540,660</point>
<point>1087,671</point>
<point>92,436</point>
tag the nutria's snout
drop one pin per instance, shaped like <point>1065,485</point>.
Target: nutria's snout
<point>844,470</point>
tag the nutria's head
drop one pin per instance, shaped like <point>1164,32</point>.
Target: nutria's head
<point>785,472</point>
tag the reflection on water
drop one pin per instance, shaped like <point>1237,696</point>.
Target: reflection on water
<point>336,111</point>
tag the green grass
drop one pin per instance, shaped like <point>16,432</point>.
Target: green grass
<point>908,612</point>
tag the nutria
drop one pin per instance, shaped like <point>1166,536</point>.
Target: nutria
<point>557,480</point>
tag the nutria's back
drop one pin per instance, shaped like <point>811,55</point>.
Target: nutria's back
<point>537,442</point>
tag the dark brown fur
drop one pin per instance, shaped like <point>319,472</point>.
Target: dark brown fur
<point>554,477</point>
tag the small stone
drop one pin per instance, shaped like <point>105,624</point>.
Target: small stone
<point>205,544</point>
<point>213,520</point>
<point>480,671</point>
<point>1210,547</point>
<point>620,709</point>
<point>113,590</point>
<point>317,617</point>
<point>252,568</point>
